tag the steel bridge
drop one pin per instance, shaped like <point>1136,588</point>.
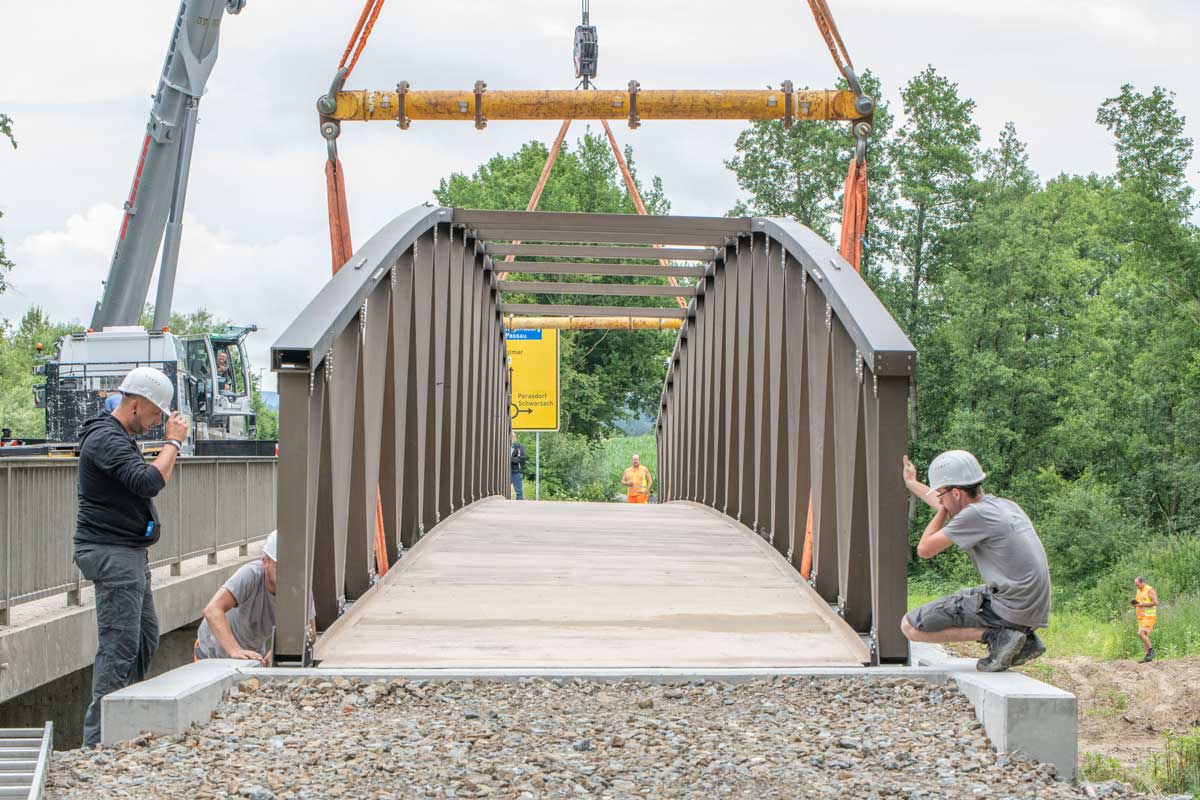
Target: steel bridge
<point>786,395</point>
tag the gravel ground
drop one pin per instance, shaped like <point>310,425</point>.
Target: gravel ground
<point>784,738</point>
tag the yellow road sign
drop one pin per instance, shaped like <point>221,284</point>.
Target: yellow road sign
<point>533,358</point>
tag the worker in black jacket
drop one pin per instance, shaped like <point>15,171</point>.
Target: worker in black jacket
<point>517,461</point>
<point>115,526</point>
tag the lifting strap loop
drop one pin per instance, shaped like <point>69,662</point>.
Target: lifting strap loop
<point>340,246</point>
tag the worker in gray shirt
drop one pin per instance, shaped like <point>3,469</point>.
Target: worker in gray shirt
<point>997,535</point>
<point>239,620</point>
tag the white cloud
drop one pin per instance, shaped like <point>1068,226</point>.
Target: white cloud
<point>263,283</point>
<point>77,77</point>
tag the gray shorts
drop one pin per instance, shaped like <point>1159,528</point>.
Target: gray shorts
<point>966,608</point>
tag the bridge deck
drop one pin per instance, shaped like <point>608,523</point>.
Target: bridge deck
<point>504,584</point>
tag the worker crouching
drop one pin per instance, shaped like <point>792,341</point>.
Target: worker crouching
<point>115,526</point>
<point>239,620</point>
<point>1014,601</point>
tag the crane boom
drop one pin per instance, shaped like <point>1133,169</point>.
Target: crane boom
<point>159,189</point>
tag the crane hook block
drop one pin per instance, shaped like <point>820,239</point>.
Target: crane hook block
<point>587,51</point>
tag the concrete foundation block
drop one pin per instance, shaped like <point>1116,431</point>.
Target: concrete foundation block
<point>1019,714</point>
<point>170,703</point>
<point>1023,715</point>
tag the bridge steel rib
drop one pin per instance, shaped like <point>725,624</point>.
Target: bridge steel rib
<point>788,385</point>
<point>379,377</point>
<point>805,395</point>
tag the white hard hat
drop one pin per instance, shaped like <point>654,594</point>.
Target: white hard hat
<point>269,547</point>
<point>955,468</point>
<point>151,384</point>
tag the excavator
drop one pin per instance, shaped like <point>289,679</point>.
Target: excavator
<point>210,371</point>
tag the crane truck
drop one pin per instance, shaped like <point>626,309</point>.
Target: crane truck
<point>210,371</point>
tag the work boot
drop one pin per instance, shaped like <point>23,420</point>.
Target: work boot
<point>1033,648</point>
<point>1149,656</point>
<point>1003,646</point>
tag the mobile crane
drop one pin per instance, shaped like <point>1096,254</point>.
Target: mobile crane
<point>210,371</point>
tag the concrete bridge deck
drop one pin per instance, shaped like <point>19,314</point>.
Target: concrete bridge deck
<point>504,584</point>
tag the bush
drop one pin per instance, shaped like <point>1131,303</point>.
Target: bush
<point>1084,532</point>
<point>574,467</point>
<point>1170,564</point>
<point>1177,768</point>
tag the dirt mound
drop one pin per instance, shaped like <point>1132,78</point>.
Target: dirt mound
<point>1125,706</point>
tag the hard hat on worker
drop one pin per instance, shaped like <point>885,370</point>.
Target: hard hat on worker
<point>954,468</point>
<point>151,384</point>
<point>270,546</point>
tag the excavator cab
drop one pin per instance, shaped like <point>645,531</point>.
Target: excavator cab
<point>220,368</point>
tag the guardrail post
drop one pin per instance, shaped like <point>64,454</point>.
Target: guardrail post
<point>6,609</point>
<point>244,547</point>
<point>216,528</point>
<point>177,564</point>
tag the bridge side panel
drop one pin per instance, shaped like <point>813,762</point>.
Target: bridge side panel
<point>783,408</point>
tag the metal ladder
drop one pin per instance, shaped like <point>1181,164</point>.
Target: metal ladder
<point>25,760</point>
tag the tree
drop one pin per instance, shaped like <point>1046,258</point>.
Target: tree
<point>187,323</point>
<point>605,374</point>
<point>1132,403</point>
<point>18,354</point>
<point>935,158</point>
<point>5,263</point>
<point>1152,152</point>
<point>800,173</point>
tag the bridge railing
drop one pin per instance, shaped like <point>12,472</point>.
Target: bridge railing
<point>211,504</point>
<point>790,381</point>
<point>393,387</point>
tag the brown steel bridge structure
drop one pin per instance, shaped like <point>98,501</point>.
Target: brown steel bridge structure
<point>786,394</point>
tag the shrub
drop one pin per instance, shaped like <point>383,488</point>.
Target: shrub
<point>1084,532</point>
<point>1170,564</point>
<point>1177,768</point>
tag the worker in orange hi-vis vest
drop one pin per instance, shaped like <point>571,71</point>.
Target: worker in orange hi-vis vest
<point>1146,606</point>
<point>637,480</point>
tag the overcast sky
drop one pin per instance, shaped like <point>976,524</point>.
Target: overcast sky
<point>77,77</point>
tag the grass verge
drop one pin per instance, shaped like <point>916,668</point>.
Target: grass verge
<point>1175,770</point>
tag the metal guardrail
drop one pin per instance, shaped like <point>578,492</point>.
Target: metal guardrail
<point>787,395</point>
<point>25,761</point>
<point>210,504</point>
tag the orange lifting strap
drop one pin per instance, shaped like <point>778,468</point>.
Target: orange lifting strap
<point>854,209</point>
<point>339,225</point>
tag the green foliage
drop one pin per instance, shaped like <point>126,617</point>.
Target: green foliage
<point>187,323</point>
<point>1084,532</point>
<point>5,263</point>
<point>1177,768</point>
<point>268,419</point>
<point>800,174</point>
<point>18,354</point>
<point>1173,771</point>
<point>935,161</point>
<point>574,467</point>
<point>1098,768</point>
<point>604,374</point>
<point>1170,564</point>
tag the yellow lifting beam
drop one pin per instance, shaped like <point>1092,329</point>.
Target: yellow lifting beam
<point>480,106</point>
<point>593,323</point>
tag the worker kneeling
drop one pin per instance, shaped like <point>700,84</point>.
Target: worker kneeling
<point>996,533</point>
<point>239,620</point>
